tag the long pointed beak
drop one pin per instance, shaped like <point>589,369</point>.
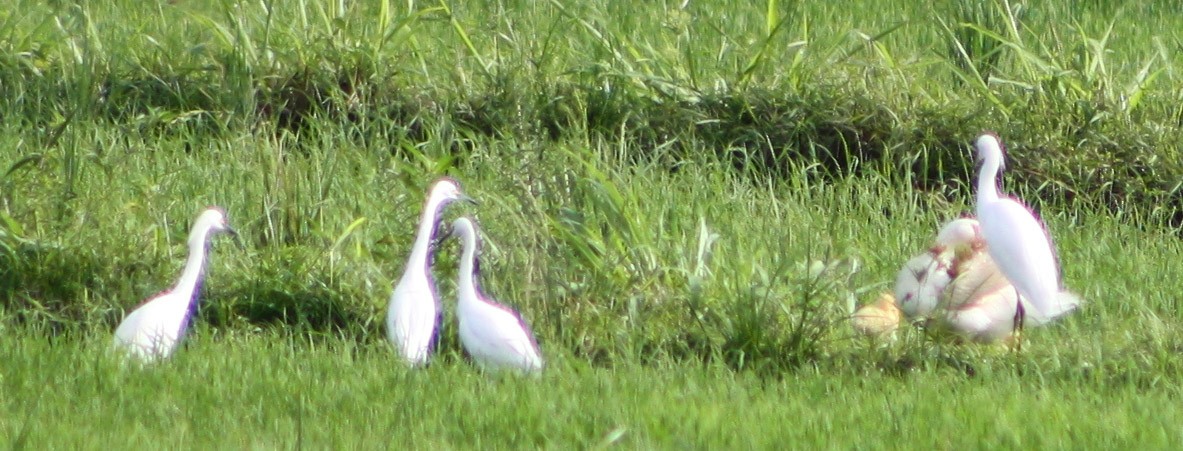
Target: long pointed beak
<point>237,239</point>
<point>464,198</point>
<point>445,231</point>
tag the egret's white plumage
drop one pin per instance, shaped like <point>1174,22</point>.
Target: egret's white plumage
<point>1018,242</point>
<point>979,303</point>
<point>414,310</point>
<point>919,284</point>
<point>494,335</point>
<point>155,328</point>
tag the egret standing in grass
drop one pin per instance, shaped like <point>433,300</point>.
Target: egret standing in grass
<point>154,329</point>
<point>494,335</point>
<point>414,310</point>
<point>919,283</point>
<point>1019,243</point>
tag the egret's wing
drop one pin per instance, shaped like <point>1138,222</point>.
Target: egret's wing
<point>412,316</point>
<point>502,328</point>
<point>1067,302</point>
<point>987,318</point>
<point>125,334</point>
<point>1022,250</point>
<point>143,332</point>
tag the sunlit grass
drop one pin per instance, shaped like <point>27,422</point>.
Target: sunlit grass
<point>269,391</point>
<point>682,201</point>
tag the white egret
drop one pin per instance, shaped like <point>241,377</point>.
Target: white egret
<point>494,335</point>
<point>414,310</point>
<point>877,320</point>
<point>1018,242</point>
<point>156,327</point>
<point>979,303</point>
<point>919,284</point>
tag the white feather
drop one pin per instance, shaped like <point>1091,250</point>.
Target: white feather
<point>1018,242</point>
<point>414,309</point>
<point>923,278</point>
<point>493,335</point>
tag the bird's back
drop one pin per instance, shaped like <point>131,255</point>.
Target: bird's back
<point>1021,248</point>
<point>988,318</point>
<point>976,274</point>
<point>154,328</point>
<point>495,335</point>
<point>980,302</point>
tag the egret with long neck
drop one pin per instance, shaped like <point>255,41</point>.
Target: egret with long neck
<point>414,310</point>
<point>494,336</point>
<point>1019,243</point>
<point>156,328</point>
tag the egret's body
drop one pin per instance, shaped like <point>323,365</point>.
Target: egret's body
<point>877,320</point>
<point>923,278</point>
<point>979,303</point>
<point>414,310</point>
<point>494,335</point>
<point>155,328</point>
<point>1018,242</point>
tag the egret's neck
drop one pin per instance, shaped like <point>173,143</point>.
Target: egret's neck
<point>195,265</point>
<point>468,270</point>
<point>421,250</point>
<point>988,178</point>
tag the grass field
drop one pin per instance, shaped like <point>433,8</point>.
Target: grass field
<point>682,200</point>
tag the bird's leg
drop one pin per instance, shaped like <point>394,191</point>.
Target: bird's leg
<point>1017,328</point>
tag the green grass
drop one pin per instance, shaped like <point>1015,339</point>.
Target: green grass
<point>271,391</point>
<point>682,203</point>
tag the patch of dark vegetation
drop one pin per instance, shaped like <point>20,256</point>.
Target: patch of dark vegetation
<point>46,286</point>
<point>153,103</point>
<point>1070,153</point>
<point>311,308</point>
<point>292,290</point>
<point>290,101</point>
<point>760,131</point>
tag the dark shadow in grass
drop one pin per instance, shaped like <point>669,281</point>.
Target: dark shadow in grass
<point>319,310</point>
<point>44,285</point>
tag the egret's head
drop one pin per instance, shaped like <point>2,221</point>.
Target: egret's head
<point>214,219</point>
<point>462,227</point>
<point>447,190</point>
<point>465,228</point>
<point>989,146</point>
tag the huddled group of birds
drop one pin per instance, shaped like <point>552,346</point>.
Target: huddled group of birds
<point>982,280</point>
<point>494,336</point>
